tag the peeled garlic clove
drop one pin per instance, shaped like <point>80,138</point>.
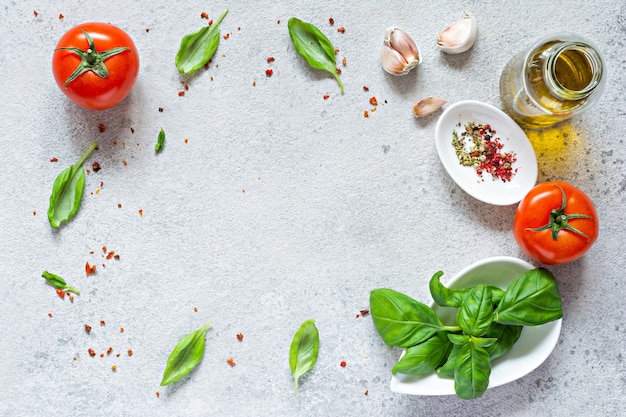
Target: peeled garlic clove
<point>459,36</point>
<point>426,106</point>
<point>399,53</point>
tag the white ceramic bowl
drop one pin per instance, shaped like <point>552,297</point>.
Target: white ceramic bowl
<point>510,134</point>
<point>532,348</point>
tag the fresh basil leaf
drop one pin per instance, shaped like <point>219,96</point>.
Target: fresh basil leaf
<point>531,300</point>
<point>472,371</point>
<point>197,48</point>
<point>447,368</point>
<point>314,47</point>
<point>424,357</point>
<point>443,296</point>
<point>303,350</point>
<point>186,356</point>
<point>58,282</point>
<point>67,191</point>
<point>476,311</point>
<point>160,141</point>
<point>506,336</point>
<point>400,320</point>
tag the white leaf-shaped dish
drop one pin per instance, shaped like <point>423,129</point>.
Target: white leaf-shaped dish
<point>531,350</point>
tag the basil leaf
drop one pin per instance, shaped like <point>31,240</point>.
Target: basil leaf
<point>424,357</point>
<point>400,320</point>
<point>532,299</point>
<point>476,311</point>
<point>472,371</point>
<point>314,47</point>
<point>447,369</point>
<point>449,297</point>
<point>506,336</point>
<point>58,282</point>
<point>160,141</point>
<point>303,350</point>
<point>67,191</point>
<point>197,48</point>
<point>186,356</point>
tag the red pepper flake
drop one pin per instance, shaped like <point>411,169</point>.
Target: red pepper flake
<point>49,314</point>
<point>341,29</point>
<point>147,30</point>
<point>101,128</point>
<point>140,212</point>
<point>366,113</point>
<point>278,21</point>
<point>125,162</point>
<point>87,328</point>
<point>92,353</point>
<point>240,336</point>
<point>195,309</point>
<point>181,93</point>
<point>119,205</point>
<point>338,70</point>
<point>70,296</point>
<point>326,96</point>
<point>90,269</point>
<point>161,109</point>
<point>130,352</point>
<point>121,330</point>
<point>331,21</point>
<point>186,140</point>
<point>158,394</point>
<point>210,22</point>
<point>116,257</point>
<point>204,15</point>
<point>269,72</point>
<point>109,350</point>
<point>102,323</point>
<point>366,88</point>
<point>253,83</point>
<point>344,61</point>
<point>96,167</point>
<point>373,101</point>
<point>336,51</point>
<point>230,361</point>
<point>34,213</point>
<point>35,13</point>
<point>270,59</point>
<point>226,36</point>
<point>366,392</point>
<point>110,255</point>
<point>343,364</point>
<point>54,159</point>
<point>114,368</point>
<point>61,16</point>
<point>60,293</point>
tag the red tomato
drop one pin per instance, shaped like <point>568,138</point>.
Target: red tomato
<point>555,223</point>
<point>110,65</point>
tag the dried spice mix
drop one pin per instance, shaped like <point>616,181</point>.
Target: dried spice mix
<point>479,147</point>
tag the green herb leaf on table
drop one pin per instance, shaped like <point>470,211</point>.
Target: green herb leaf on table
<point>400,320</point>
<point>424,357</point>
<point>160,141</point>
<point>476,311</point>
<point>58,282</point>
<point>186,356</point>
<point>314,47</point>
<point>473,368</point>
<point>303,351</point>
<point>531,300</point>
<point>197,48</point>
<point>506,335</point>
<point>67,191</point>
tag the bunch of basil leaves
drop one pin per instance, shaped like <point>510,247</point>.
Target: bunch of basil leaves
<point>489,321</point>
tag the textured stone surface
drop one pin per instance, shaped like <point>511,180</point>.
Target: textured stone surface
<point>270,205</point>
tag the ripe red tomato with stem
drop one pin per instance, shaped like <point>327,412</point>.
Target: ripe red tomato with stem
<point>95,65</point>
<point>555,223</point>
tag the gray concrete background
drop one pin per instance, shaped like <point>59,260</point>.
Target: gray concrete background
<point>281,206</point>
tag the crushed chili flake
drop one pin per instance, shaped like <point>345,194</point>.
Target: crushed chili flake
<point>240,336</point>
<point>34,213</point>
<point>366,392</point>
<point>70,296</point>
<point>147,30</point>
<point>336,51</point>
<point>230,361</point>
<point>54,159</point>
<point>114,368</point>
<point>158,394</point>
<point>226,36</point>
<point>195,309</point>
<point>102,323</point>
<point>130,352</point>
<point>326,96</point>
<point>87,328</point>
<point>101,128</point>
<point>119,205</point>
<point>61,16</point>
<point>102,355</point>
<point>161,109</point>
<point>109,350</point>
<point>269,72</point>
<point>373,101</point>
<point>278,21</point>
<point>364,312</point>
<point>181,93</point>
<point>35,13</point>
<point>121,330</point>
<point>338,70</point>
<point>90,269</point>
<point>140,213</point>
<point>341,29</point>
<point>125,162</point>
<point>132,131</point>
<point>60,293</point>
<point>270,59</point>
<point>186,140</point>
<point>366,113</point>
<point>91,352</point>
<point>343,364</point>
<point>483,152</point>
<point>96,167</point>
<point>210,22</point>
<point>49,314</point>
<point>344,61</point>
<point>366,88</point>
<point>204,15</point>
<point>331,21</point>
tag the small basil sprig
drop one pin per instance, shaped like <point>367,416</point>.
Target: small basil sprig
<point>58,282</point>
<point>314,47</point>
<point>197,48</point>
<point>186,356</point>
<point>160,141</point>
<point>489,321</point>
<point>67,191</point>
<point>303,350</point>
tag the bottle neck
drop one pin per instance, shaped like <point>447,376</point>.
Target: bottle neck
<point>572,70</point>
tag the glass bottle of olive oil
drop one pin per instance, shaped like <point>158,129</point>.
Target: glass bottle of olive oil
<point>558,77</point>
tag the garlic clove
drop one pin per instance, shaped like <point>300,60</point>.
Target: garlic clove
<point>428,105</point>
<point>399,53</point>
<point>459,36</point>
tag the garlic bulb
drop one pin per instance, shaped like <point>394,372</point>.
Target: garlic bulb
<point>399,53</point>
<point>426,106</point>
<point>459,36</point>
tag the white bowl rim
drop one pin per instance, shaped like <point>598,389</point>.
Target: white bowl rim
<point>505,369</point>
